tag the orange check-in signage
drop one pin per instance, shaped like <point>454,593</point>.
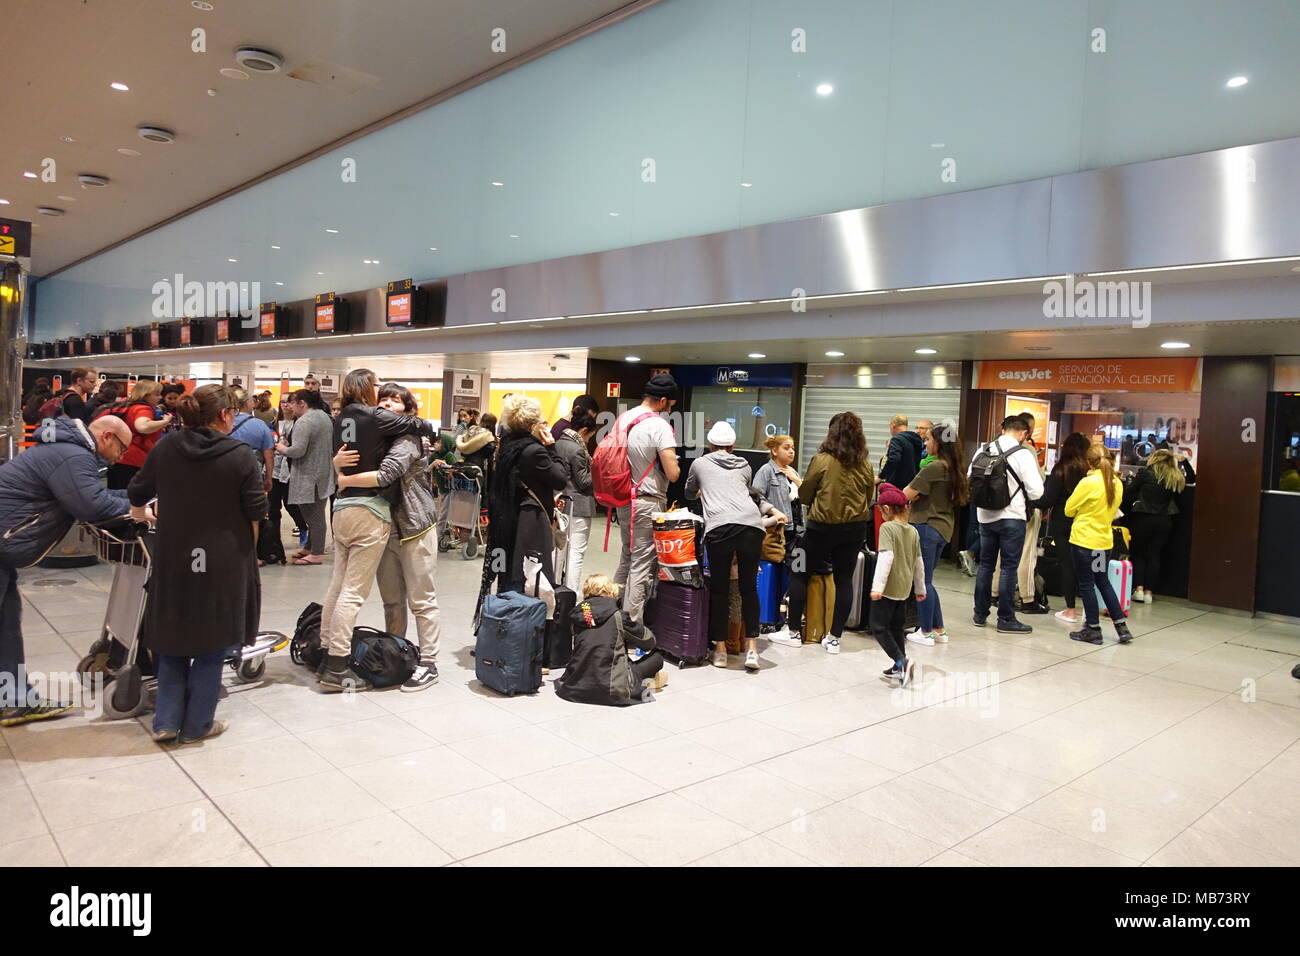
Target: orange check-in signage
<point>1091,375</point>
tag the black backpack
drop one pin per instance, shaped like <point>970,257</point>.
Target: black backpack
<point>305,647</point>
<point>383,659</point>
<point>990,488</point>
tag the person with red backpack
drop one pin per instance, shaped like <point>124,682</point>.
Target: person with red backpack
<point>139,413</point>
<point>630,474</point>
<point>71,401</point>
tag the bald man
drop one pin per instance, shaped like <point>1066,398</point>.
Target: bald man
<point>42,492</point>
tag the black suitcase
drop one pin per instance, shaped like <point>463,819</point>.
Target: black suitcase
<point>558,644</point>
<point>270,549</point>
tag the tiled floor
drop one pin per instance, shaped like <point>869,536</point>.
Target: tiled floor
<point>1180,749</point>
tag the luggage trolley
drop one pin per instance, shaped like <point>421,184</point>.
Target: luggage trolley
<point>126,666</point>
<point>466,515</point>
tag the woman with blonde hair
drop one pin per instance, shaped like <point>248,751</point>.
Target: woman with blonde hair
<point>1152,502</point>
<point>521,501</point>
<point>1093,505</point>
<point>778,482</point>
<point>139,412</point>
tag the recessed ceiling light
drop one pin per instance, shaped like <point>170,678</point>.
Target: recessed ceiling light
<point>127,151</point>
<point>279,283</point>
<point>232,260</point>
<point>1175,345</point>
<point>28,174</point>
<point>275,247</point>
<point>497,182</point>
<point>746,185</point>
<point>631,358</point>
<point>155,134</point>
<point>926,351</point>
<point>4,202</point>
<point>757,355</point>
<point>259,60</point>
<point>613,214</point>
<point>433,248</point>
<point>320,273</point>
<point>120,87</point>
<point>825,89</point>
<point>68,139</point>
<point>834,354</point>
<point>514,235</point>
<point>92,179</point>
<point>230,73</point>
<point>200,5</point>
<point>366,261</point>
<point>68,198</point>
<point>1236,81</point>
<point>333,231</point>
<point>49,210</point>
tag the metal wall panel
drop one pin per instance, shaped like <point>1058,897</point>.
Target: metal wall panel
<point>875,406</point>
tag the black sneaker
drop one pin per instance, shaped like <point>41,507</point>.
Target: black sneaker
<point>425,676</point>
<point>980,620</point>
<point>1034,608</point>
<point>1014,627</point>
<point>45,710</point>
<point>893,675</point>
<point>1087,634</point>
<point>1125,635</point>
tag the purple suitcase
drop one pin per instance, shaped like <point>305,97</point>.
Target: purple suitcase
<point>679,616</point>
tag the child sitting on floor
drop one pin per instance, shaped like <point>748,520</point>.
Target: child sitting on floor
<point>600,671</point>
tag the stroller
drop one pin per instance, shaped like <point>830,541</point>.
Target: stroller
<point>466,515</point>
<point>126,666</point>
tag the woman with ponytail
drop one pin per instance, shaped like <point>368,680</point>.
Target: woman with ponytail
<point>1093,506</point>
<point>205,597</point>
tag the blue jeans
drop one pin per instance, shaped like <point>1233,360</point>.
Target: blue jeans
<point>188,688</point>
<point>928,612</point>
<point>1006,537</point>
<point>1091,581</point>
<point>973,535</point>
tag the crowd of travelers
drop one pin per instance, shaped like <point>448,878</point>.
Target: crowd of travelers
<point>365,478</point>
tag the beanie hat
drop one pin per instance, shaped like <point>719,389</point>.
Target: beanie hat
<point>722,434</point>
<point>662,385</point>
<point>890,495</point>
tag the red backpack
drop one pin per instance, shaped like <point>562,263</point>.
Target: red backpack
<point>53,406</point>
<point>611,472</point>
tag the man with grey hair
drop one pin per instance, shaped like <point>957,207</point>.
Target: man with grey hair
<point>903,458</point>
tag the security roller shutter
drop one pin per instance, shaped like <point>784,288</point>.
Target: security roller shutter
<point>875,406</point>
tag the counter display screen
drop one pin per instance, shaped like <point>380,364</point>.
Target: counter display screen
<point>399,309</point>
<point>223,330</point>
<point>268,324</point>
<point>185,333</point>
<point>108,343</point>
<point>325,318</point>
<point>153,338</point>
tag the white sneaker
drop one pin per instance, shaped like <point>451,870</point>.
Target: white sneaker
<point>916,637</point>
<point>1137,595</point>
<point>751,661</point>
<point>832,644</point>
<point>940,637</point>
<point>1146,597</point>
<point>786,637</point>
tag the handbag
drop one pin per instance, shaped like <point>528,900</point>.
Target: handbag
<point>559,530</point>
<point>773,544</point>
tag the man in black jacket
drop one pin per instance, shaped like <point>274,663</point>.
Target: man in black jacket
<point>42,492</point>
<point>903,459</point>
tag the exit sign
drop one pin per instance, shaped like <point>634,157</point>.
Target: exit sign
<point>613,389</point>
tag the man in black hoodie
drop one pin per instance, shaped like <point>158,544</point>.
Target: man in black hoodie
<point>903,459</point>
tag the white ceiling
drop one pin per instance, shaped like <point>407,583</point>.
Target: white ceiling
<point>60,56</point>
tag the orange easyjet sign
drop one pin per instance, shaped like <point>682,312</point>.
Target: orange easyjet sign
<point>1091,375</point>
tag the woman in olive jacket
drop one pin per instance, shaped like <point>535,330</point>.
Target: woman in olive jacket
<point>205,595</point>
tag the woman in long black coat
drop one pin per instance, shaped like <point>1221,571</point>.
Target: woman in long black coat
<point>205,597</point>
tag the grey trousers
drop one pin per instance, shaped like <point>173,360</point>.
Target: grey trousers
<point>638,565</point>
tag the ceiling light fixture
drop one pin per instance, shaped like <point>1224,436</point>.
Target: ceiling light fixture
<point>925,351</point>
<point>746,185</point>
<point>258,60</point>
<point>834,354</point>
<point>127,151</point>
<point>631,358</point>
<point>201,5</point>
<point>320,273</point>
<point>1175,345</point>
<point>28,174</point>
<point>279,283</point>
<point>49,210</point>
<point>275,247</point>
<point>497,182</point>
<point>68,198</point>
<point>1236,81</point>
<point>155,134</point>
<point>68,139</point>
<point>613,214</point>
<point>230,73</point>
<point>757,355</point>
<point>120,87</point>
<point>433,248</point>
<point>514,235</point>
<point>232,260</point>
<point>4,202</point>
<point>332,231</point>
<point>92,179</point>
<point>825,89</point>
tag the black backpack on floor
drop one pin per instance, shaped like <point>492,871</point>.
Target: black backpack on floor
<point>385,660</point>
<point>305,648</point>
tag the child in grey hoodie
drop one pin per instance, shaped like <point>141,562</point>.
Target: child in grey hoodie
<point>734,520</point>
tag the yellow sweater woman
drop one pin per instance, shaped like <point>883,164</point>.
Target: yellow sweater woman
<point>1093,506</point>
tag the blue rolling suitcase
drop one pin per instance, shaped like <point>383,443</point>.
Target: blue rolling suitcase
<point>511,636</point>
<point>773,579</point>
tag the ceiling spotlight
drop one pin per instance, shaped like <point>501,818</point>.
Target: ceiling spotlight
<point>4,202</point>
<point>631,358</point>
<point>320,273</point>
<point>834,354</point>
<point>514,235</point>
<point>1175,345</point>
<point>497,182</point>
<point>746,185</point>
<point>232,260</point>
<point>230,73</point>
<point>332,231</point>
<point>67,139</point>
<point>757,355</point>
<point>127,151</point>
<point>120,87</point>
<point>926,351</point>
<point>613,214</point>
<point>200,5</point>
<point>825,89</point>
<point>49,210</point>
<point>433,248</point>
<point>1236,81</point>
<point>279,283</point>
<point>28,174</point>
<point>156,134</point>
<point>92,179</point>
<point>211,91</point>
<point>275,247</point>
<point>68,198</point>
<point>259,61</point>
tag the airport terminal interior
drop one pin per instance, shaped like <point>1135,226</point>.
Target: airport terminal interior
<point>966,334</point>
